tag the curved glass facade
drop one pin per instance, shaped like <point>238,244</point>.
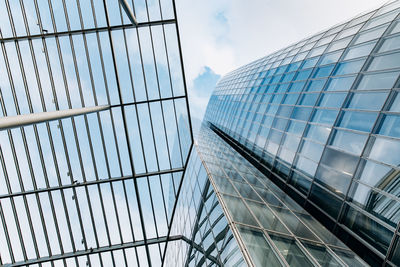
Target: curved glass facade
<point>322,119</point>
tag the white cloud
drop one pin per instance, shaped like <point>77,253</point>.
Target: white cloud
<point>226,34</point>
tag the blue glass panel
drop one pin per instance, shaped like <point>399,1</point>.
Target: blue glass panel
<point>296,87</point>
<point>315,85</point>
<point>334,180</point>
<point>323,71</point>
<point>340,84</point>
<point>395,106</point>
<point>311,62</point>
<point>390,61</point>
<point>318,133</point>
<point>324,116</point>
<point>349,67</point>
<point>390,126</point>
<point>303,75</point>
<point>311,150</point>
<point>385,150</point>
<point>330,58</point>
<point>378,81</point>
<point>301,113</point>
<point>359,51</point>
<point>370,35</point>
<point>358,120</point>
<point>296,127</point>
<point>308,99</point>
<point>338,160</point>
<point>349,141</point>
<point>368,101</point>
<point>290,99</point>
<point>334,100</point>
<point>390,43</point>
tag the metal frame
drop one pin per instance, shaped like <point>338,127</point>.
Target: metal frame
<point>69,67</point>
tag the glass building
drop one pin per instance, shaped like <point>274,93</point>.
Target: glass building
<point>296,163</point>
<point>319,122</point>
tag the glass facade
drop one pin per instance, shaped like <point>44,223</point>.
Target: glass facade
<point>321,120</point>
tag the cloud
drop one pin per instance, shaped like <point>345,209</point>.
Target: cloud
<point>224,35</point>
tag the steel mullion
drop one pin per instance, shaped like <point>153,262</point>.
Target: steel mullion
<point>176,201</point>
<point>37,136</point>
<point>3,221</point>
<point>126,134</point>
<point>60,124</point>
<point>122,107</point>
<point>87,128</point>
<point>24,140</point>
<point>75,134</point>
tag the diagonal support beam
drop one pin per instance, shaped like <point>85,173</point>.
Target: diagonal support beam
<point>128,11</point>
<point>28,119</point>
<point>95,250</point>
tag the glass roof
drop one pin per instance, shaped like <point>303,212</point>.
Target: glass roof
<point>97,188</point>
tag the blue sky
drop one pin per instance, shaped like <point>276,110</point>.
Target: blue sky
<point>219,36</point>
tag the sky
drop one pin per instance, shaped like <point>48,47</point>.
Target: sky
<point>219,36</point>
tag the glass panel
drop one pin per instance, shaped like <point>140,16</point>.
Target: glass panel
<point>385,62</point>
<point>395,257</point>
<point>349,67</point>
<point>357,120</point>
<point>390,43</point>
<point>385,150</point>
<point>330,58</point>
<point>321,254</point>
<point>377,81</point>
<point>315,85</point>
<point>390,126</point>
<point>334,180</point>
<point>395,106</point>
<point>371,231</point>
<point>370,35</point>
<point>340,84</point>
<point>326,201</point>
<point>311,150</point>
<point>318,133</point>
<point>238,210</point>
<point>339,160</point>
<point>339,44</point>
<point>349,141</point>
<point>324,116</point>
<point>291,251</point>
<point>266,217</point>
<point>334,100</point>
<point>323,71</point>
<point>359,51</point>
<point>311,62</point>
<point>259,250</point>
<point>368,101</point>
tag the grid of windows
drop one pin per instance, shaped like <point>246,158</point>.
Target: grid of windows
<point>199,218</point>
<point>92,189</point>
<point>272,229</point>
<point>322,116</point>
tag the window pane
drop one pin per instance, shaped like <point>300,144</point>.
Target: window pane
<point>332,100</point>
<point>330,58</point>
<point>359,51</point>
<point>370,35</point>
<point>378,81</point>
<point>318,133</point>
<point>390,43</point>
<point>323,71</point>
<point>360,121</point>
<point>385,62</point>
<point>368,229</point>
<point>315,85</point>
<point>340,84</point>
<point>349,67</point>
<point>259,250</point>
<point>324,116</point>
<point>349,141</point>
<point>339,160</point>
<point>385,150</point>
<point>291,252</point>
<point>395,106</point>
<point>369,101</point>
<point>334,180</point>
<point>390,126</point>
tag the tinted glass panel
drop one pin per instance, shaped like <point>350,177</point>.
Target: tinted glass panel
<point>360,121</point>
<point>340,84</point>
<point>378,81</point>
<point>390,61</point>
<point>368,101</point>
